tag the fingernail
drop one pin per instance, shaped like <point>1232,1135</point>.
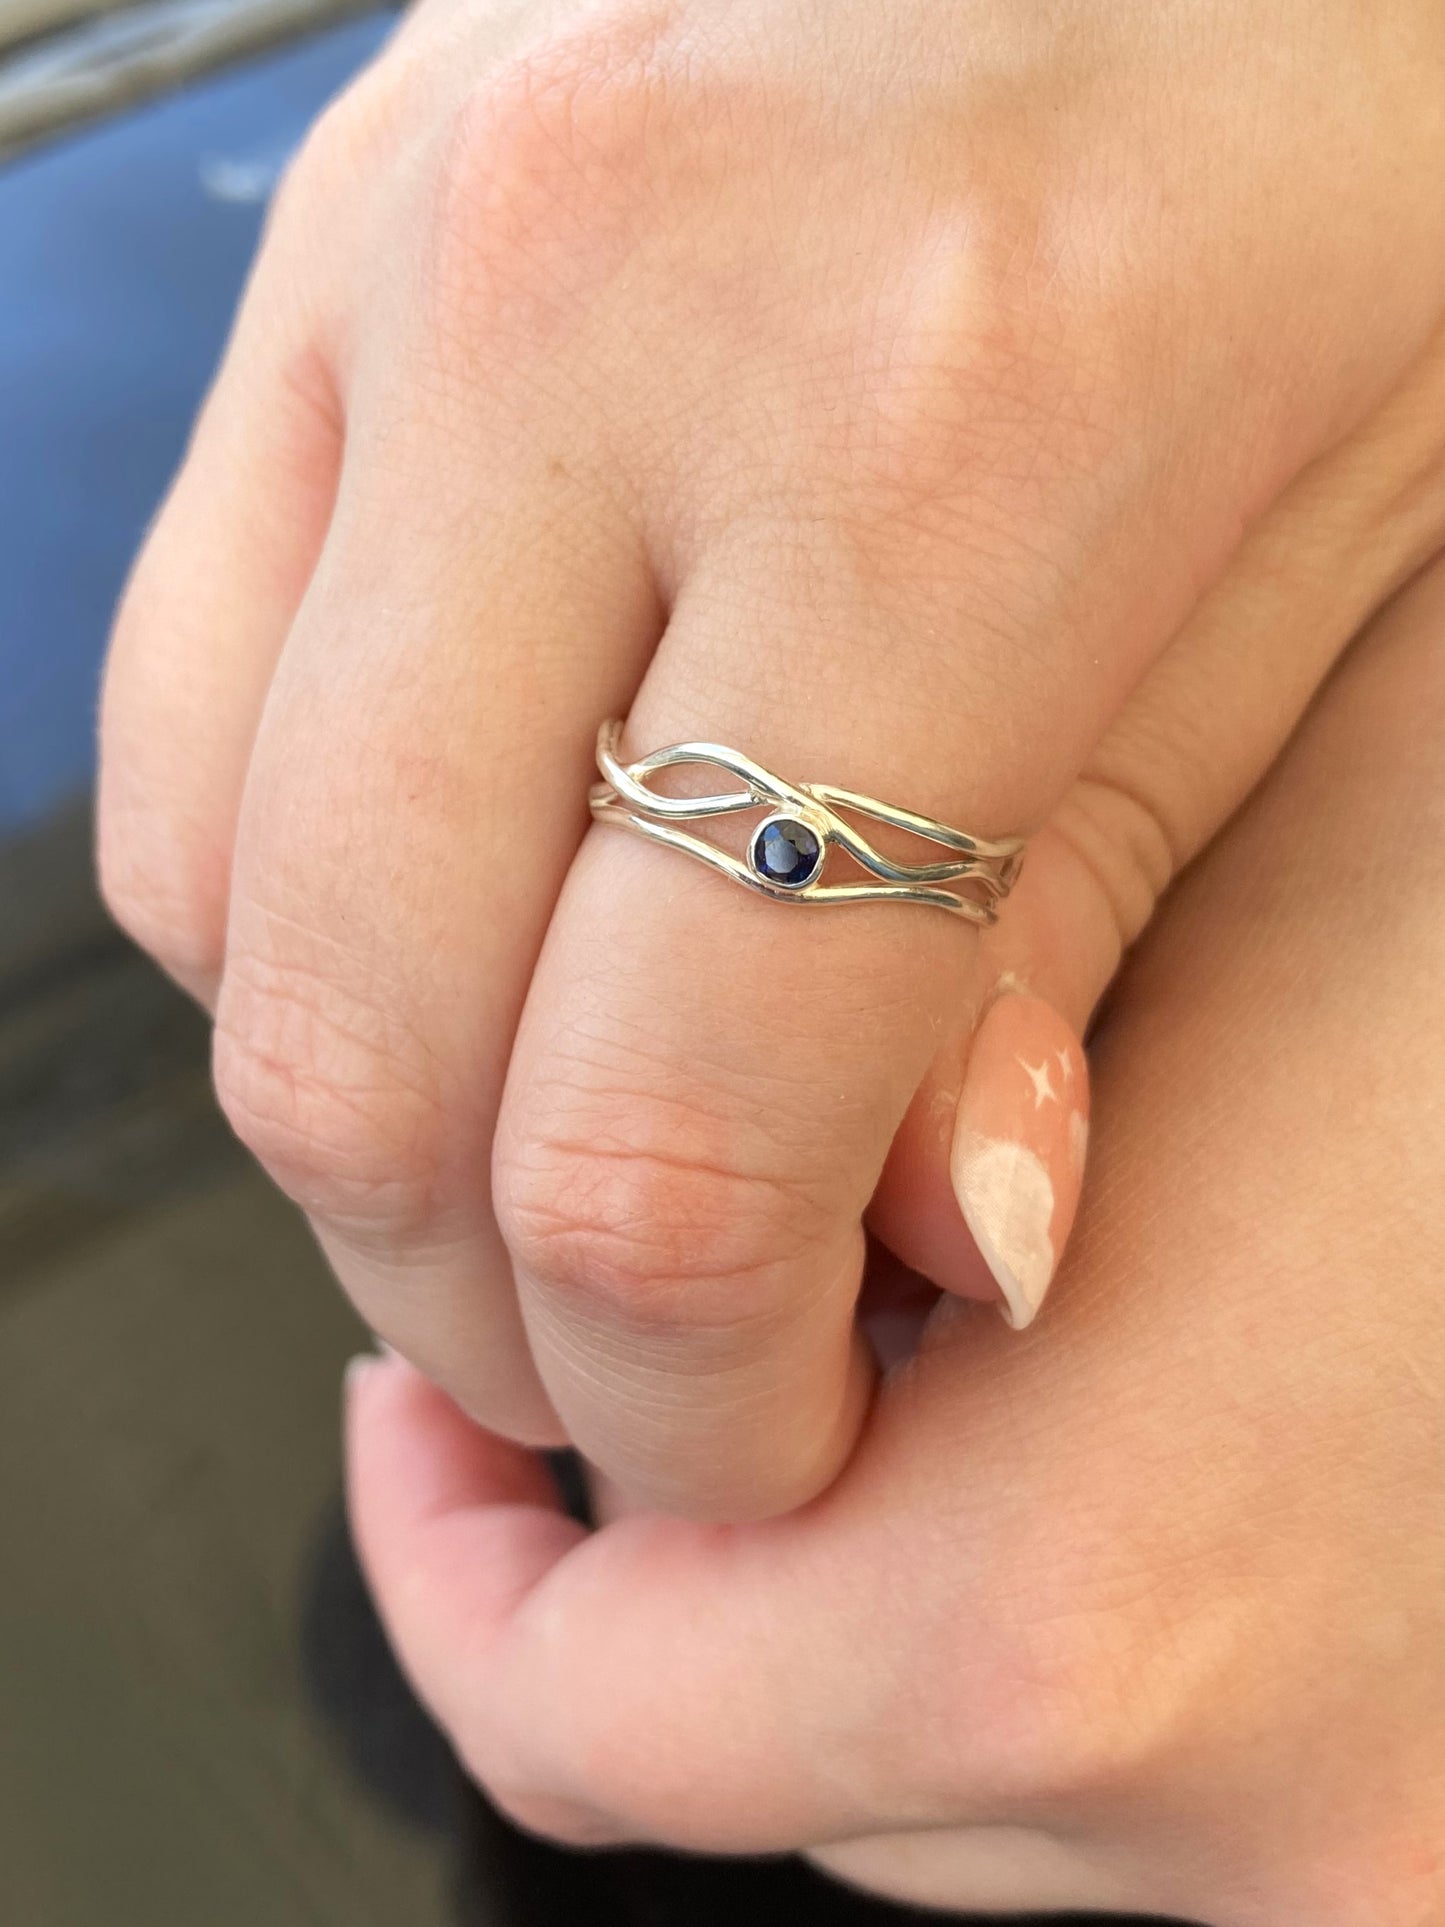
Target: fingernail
<point>1020,1132</point>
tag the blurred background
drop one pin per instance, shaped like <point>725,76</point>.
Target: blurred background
<point>199,1720</point>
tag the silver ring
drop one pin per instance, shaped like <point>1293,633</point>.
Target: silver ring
<point>788,850</point>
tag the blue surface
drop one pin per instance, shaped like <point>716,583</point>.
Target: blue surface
<point>122,252</point>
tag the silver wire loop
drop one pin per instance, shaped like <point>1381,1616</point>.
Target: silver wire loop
<point>789,849</point>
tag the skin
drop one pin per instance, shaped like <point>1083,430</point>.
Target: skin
<point>896,392</point>
<point>1142,1611</point>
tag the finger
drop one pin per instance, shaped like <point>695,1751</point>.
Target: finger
<point>415,794</point>
<point>421,1466</point>
<point>574,1673</point>
<point>208,607</point>
<point>983,1179</point>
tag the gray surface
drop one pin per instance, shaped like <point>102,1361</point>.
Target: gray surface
<point>170,1358</point>
<point>174,1745</point>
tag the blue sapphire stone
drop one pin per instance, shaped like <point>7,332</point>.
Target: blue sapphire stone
<point>787,852</point>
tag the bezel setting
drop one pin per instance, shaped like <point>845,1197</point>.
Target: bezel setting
<point>790,819</point>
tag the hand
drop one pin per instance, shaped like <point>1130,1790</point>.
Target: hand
<point>1143,1612</point>
<point>882,389</point>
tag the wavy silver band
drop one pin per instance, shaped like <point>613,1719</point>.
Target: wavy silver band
<point>789,848</point>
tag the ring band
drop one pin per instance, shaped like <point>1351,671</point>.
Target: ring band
<point>788,849</point>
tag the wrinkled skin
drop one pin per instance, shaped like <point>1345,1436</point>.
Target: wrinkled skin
<point>1008,411</point>
<point>1143,1611</point>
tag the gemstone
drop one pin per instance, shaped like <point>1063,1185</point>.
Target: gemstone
<point>786,851</point>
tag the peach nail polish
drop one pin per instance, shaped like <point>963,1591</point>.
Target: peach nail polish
<point>1020,1132</point>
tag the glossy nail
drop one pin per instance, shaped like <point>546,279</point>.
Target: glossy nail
<point>1020,1132</point>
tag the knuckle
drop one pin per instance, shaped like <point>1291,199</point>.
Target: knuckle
<point>992,414</point>
<point>1039,1725</point>
<point>165,886</point>
<point>311,222</point>
<point>1126,845</point>
<point>1088,1671</point>
<point>661,1211</point>
<point>338,1116</point>
<point>352,135</point>
<point>1107,1692</point>
<point>544,174</point>
<point>162,867</point>
<point>1076,1711</point>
